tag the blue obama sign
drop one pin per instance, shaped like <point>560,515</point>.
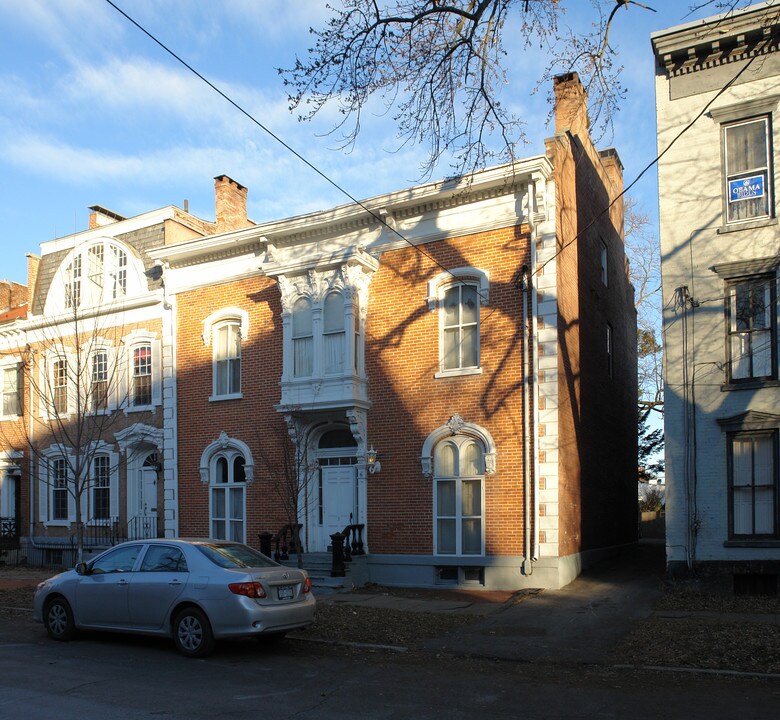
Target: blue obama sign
<point>747,188</point>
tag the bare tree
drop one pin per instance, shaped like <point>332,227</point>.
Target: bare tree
<point>439,66</point>
<point>644,257</point>
<point>291,470</point>
<point>75,375</point>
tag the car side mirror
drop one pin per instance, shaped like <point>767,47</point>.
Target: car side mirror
<point>81,568</point>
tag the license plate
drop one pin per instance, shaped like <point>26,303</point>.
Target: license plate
<point>285,592</point>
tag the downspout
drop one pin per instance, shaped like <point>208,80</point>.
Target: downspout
<point>534,397</point>
<point>530,391</point>
<point>524,286</point>
<point>31,533</point>
<point>170,309</point>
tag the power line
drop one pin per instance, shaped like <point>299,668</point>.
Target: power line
<point>279,140</point>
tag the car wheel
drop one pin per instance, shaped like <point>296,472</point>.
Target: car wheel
<point>58,618</point>
<point>192,633</point>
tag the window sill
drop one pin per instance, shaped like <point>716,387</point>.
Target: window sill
<point>749,385</point>
<point>747,225</point>
<point>139,408</point>
<point>10,418</point>
<point>57,523</point>
<point>458,373</point>
<point>460,560</point>
<point>232,396</point>
<point>752,543</point>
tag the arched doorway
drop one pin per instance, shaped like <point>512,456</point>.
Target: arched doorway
<point>337,486</point>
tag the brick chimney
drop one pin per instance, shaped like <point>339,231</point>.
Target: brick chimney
<point>612,165</point>
<point>571,104</point>
<point>101,216</point>
<point>230,199</point>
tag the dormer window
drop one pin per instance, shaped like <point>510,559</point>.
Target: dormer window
<point>106,276</point>
<point>96,273</point>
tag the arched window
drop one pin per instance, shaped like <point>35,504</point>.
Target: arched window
<point>458,496</point>
<point>228,495</point>
<point>95,274</point>
<point>303,339</point>
<point>333,334</point>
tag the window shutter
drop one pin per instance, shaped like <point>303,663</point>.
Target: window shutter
<point>157,372</point>
<point>71,386</point>
<point>86,489</point>
<point>43,491</point>
<point>44,383</point>
<point>123,376</point>
<point>114,493</point>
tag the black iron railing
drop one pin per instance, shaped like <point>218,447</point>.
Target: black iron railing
<point>142,527</point>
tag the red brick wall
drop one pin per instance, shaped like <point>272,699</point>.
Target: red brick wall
<point>598,412</point>
<point>252,419</point>
<point>402,357</point>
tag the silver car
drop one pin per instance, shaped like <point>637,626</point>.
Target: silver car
<point>195,591</point>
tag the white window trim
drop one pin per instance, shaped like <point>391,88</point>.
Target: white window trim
<point>46,381</point>
<point>133,270</point>
<point>17,365</point>
<point>131,342</point>
<point>458,426</point>
<point>221,444</point>
<point>106,450</point>
<point>229,313</point>
<point>770,182</point>
<point>460,439</point>
<point>45,488</point>
<point>214,327</point>
<point>230,454</point>
<point>437,286</point>
<point>112,377</point>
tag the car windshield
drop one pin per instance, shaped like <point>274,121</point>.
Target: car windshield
<point>234,556</point>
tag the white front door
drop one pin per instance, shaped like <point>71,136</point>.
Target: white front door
<point>149,492</point>
<point>338,500</point>
<point>142,523</point>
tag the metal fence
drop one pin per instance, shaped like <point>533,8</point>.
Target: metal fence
<point>60,552</point>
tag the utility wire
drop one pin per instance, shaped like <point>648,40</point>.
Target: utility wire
<point>279,140</point>
<point>378,218</point>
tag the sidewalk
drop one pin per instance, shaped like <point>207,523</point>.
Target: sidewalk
<point>578,623</point>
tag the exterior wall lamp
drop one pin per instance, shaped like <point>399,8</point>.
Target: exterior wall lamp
<point>374,466</point>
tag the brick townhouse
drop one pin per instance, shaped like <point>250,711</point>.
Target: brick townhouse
<point>13,448</point>
<point>450,369</point>
<point>85,368</point>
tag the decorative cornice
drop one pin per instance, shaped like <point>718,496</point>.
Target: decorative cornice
<point>741,268</point>
<point>750,420</point>
<point>718,40</point>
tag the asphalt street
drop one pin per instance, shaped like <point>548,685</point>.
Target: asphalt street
<point>128,678</point>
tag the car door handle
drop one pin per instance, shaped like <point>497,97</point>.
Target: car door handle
<point>122,582</point>
<point>174,583</point>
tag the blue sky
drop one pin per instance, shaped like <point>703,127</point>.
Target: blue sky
<point>93,112</point>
